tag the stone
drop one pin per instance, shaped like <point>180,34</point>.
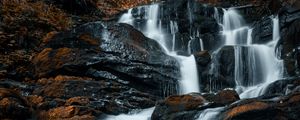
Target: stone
<point>116,52</point>
<point>13,106</point>
<point>171,107</point>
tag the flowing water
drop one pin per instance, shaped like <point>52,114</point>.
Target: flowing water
<point>260,59</point>
<point>263,64</point>
<point>189,75</point>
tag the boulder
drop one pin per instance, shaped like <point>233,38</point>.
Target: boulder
<point>189,106</point>
<point>275,108</point>
<point>116,52</point>
<point>107,96</point>
<point>174,106</point>
<point>13,106</point>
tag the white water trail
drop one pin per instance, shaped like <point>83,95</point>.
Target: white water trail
<point>210,113</point>
<point>142,115</point>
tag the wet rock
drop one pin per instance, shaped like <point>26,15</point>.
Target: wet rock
<point>13,106</point>
<point>283,87</point>
<point>171,107</point>
<point>220,73</point>
<point>203,58</point>
<point>115,52</point>
<point>78,101</point>
<point>290,47</point>
<point>189,106</point>
<point>68,113</point>
<point>284,107</point>
<point>106,96</point>
<point>223,97</point>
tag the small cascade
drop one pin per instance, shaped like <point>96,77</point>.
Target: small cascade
<point>188,71</point>
<point>233,28</point>
<point>272,67</point>
<point>174,30</point>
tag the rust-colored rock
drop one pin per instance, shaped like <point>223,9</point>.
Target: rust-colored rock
<point>67,113</point>
<point>35,100</point>
<point>172,105</point>
<point>184,102</point>
<point>78,101</point>
<point>13,106</point>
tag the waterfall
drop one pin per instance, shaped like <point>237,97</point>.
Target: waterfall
<point>153,29</point>
<point>255,65</point>
<point>272,68</point>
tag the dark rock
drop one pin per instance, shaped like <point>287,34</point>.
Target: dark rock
<point>222,98</point>
<point>220,74</point>
<point>69,113</point>
<point>106,96</point>
<point>283,87</point>
<point>189,106</point>
<point>124,55</point>
<point>171,107</point>
<point>290,47</point>
<point>278,108</point>
<point>203,58</point>
<point>13,106</point>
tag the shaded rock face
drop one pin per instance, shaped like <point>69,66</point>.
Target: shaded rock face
<point>283,87</point>
<point>280,108</point>
<point>118,52</point>
<point>220,72</point>
<point>189,106</point>
<point>106,96</point>
<point>289,44</point>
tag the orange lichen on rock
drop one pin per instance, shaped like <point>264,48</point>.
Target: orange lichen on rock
<point>89,39</point>
<point>184,102</point>
<point>66,78</point>
<point>245,108</point>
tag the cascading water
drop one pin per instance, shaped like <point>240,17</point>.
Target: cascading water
<point>272,67</point>
<point>189,75</point>
<point>260,59</point>
<point>261,62</point>
<point>263,65</point>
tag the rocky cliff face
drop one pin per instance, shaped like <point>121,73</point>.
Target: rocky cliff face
<point>57,62</point>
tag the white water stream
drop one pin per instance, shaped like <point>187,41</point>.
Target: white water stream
<point>189,76</point>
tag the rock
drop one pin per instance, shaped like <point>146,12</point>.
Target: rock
<point>220,73</point>
<point>13,106</point>
<point>78,101</point>
<point>283,87</point>
<point>124,55</point>
<point>189,106</point>
<point>289,47</point>
<point>35,100</point>
<point>203,58</point>
<point>68,113</point>
<point>223,97</point>
<point>107,96</point>
<point>283,108</point>
<point>171,107</point>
